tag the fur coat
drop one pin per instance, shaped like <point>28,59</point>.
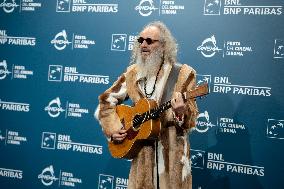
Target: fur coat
<point>172,151</point>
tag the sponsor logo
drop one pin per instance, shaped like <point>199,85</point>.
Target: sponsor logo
<point>118,42</point>
<point>71,75</point>
<point>54,108</point>
<point>13,138</point>
<point>145,7</point>
<point>9,5</point>
<point>228,125</point>
<point>11,173</point>
<point>212,7</point>
<point>209,48</point>
<point>216,161</point>
<point>16,41</point>
<point>165,7</point>
<point>25,5</point>
<point>278,48</point>
<point>47,178</point>
<point>48,140</point>
<point>204,79</point>
<point>275,129</point>
<point>63,5</point>
<point>222,84</point>
<point>55,73</point>
<point>30,5</point>
<point>2,136</point>
<point>86,6</point>
<point>18,71</point>
<point>14,106</point>
<point>122,42</point>
<point>105,181</point>
<point>197,158</point>
<point>110,182</point>
<point>72,109</point>
<point>53,141</point>
<point>3,70</point>
<point>60,41</point>
<point>203,123</point>
<point>236,7</point>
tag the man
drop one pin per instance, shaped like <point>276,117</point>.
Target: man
<point>165,164</point>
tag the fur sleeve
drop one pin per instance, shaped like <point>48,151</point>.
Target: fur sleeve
<point>106,113</point>
<point>191,106</point>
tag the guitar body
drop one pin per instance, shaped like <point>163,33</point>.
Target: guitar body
<point>142,124</point>
<point>136,137</point>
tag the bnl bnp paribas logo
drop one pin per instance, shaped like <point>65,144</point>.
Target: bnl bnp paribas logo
<point>64,142</point>
<point>56,73</point>
<point>110,182</point>
<point>223,85</point>
<point>85,6</point>
<point>122,42</point>
<point>60,41</point>
<point>275,129</point>
<point>278,48</point>
<point>209,48</point>
<point>6,39</point>
<point>216,162</point>
<point>48,177</point>
<point>236,7</point>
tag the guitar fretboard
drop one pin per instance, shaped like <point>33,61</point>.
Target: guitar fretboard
<point>151,114</point>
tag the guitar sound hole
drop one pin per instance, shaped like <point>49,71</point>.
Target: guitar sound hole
<point>131,134</point>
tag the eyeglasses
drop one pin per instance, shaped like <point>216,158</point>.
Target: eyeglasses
<point>149,41</point>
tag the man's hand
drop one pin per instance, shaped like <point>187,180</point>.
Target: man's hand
<point>178,105</point>
<point>119,135</point>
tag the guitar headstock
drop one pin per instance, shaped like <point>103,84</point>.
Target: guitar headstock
<point>199,91</point>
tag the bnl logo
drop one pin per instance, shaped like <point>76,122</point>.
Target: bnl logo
<point>275,129</point>
<point>63,5</point>
<point>55,73</point>
<point>212,7</point>
<point>200,79</point>
<point>279,48</point>
<point>118,42</point>
<point>197,158</point>
<point>105,181</point>
<point>48,140</point>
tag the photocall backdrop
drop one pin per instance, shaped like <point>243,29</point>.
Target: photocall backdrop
<point>57,56</point>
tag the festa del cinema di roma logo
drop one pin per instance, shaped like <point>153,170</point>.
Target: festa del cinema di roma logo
<point>9,5</point>
<point>145,7</point>
<point>48,177</point>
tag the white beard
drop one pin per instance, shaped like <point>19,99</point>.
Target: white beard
<point>149,66</point>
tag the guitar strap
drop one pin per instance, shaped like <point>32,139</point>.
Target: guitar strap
<point>167,94</point>
<point>171,81</point>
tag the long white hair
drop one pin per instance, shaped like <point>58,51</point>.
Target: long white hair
<point>168,42</point>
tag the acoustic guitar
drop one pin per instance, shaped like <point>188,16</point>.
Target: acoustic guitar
<point>142,123</point>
